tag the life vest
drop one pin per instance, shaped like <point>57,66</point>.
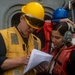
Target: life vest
<point>15,47</point>
<point>47,33</point>
<point>62,60</point>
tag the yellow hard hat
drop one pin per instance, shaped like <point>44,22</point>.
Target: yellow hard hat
<point>36,11</point>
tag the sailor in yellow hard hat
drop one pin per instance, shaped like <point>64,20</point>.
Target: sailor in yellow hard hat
<point>18,42</point>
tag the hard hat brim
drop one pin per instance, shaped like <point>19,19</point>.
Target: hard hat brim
<point>56,20</point>
<point>34,22</point>
<point>35,27</point>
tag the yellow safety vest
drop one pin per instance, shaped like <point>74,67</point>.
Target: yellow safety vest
<point>15,48</point>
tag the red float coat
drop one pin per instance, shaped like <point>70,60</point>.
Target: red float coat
<point>47,36</point>
<point>62,60</point>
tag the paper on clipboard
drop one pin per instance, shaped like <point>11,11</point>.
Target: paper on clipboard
<point>36,58</point>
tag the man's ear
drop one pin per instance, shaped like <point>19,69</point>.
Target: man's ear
<point>21,17</point>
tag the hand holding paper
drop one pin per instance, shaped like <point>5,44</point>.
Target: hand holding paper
<point>36,58</point>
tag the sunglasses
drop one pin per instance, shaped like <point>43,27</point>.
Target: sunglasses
<point>34,21</point>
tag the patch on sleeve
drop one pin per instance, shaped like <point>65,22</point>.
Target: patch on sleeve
<point>17,72</point>
<point>36,44</point>
<point>14,38</point>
